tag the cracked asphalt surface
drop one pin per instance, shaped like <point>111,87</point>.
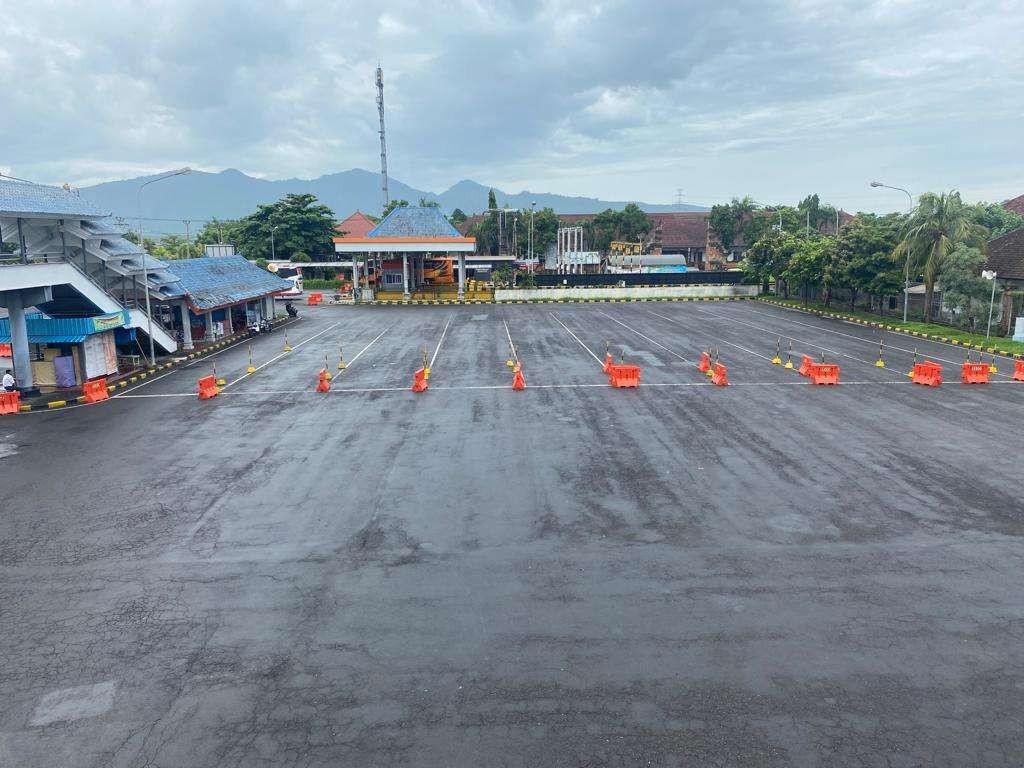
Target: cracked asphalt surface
<point>772,574</point>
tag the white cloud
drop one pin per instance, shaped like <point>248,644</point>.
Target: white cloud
<point>620,98</point>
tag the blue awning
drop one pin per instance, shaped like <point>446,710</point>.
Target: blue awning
<point>63,330</point>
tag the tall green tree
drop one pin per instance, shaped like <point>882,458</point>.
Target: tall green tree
<point>768,258</point>
<point>727,220</point>
<point>458,217</point>
<point>937,226</point>
<point>996,219</point>
<point>807,265</point>
<point>392,204</point>
<point>492,201</point>
<point>545,230</point>
<point>299,224</point>
<point>963,287</point>
<point>864,256</point>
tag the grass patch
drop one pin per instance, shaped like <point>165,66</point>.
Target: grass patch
<point>932,330</point>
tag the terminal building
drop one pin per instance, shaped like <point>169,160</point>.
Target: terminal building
<point>80,298</point>
<point>412,247</point>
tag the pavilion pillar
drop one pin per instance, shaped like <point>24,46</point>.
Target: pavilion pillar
<point>462,276</point>
<point>355,278</point>
<point>19,341</point>
<point>186,327</point>
<point>208,319</point>
<point>405,275</point>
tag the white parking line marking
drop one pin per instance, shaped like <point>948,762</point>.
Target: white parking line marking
<point>511,346</point>
<point>598,359</point>
<point>283,354</point>
<point>441,341</point>
<point>648,338</point>
<point>720,341</point>
<point>360,352</point>
<point>779,334</point>
<point>887,346</point>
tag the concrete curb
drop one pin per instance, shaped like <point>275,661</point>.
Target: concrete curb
<point>135,378</point>
<point>894,329</point>
<point>442,302</point>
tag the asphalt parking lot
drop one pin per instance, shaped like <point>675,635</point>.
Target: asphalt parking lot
<point>767,574</point>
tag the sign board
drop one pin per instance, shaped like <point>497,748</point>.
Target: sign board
<point>107,322</point>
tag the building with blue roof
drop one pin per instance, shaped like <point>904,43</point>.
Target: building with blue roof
<point>72,262</point>
<point>411,237</point>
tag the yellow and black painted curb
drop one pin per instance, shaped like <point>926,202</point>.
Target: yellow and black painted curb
<point>894,329</point>
<point>446,302</point>
<point>140,375</point>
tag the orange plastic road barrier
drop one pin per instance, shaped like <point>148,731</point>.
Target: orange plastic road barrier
<point>324,383</point>
<point>607,361</point>
<point>10,402</point>
<point>805,365</point>
<point>314,298</point>
<point>208,387</point>
<point>824,373</point>
<point>624,375</point>
<point>518,382</point>
<point>720,377</point>
<point>974,373</point>
<point>95,390</point>
<point>1018,370</point>
<point>419,381</point>
<point>705,362</point>
<point>927,374</point>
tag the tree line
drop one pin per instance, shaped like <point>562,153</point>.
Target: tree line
<point>941,241</point>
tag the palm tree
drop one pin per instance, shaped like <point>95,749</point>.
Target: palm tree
<point>938,224</point>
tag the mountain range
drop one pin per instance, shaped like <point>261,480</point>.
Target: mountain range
<point>231,194</point>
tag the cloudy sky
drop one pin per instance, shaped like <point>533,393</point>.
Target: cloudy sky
<point>622,100</point>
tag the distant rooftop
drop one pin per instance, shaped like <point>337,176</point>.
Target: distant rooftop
<point>20,198</point>
<point>356,225</point>
<point>414,221</point>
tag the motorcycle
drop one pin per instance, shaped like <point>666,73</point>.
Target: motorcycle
<point>290,309</point>
<point>262,326</point>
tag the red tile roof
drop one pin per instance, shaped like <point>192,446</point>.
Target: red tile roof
<point>1006,255</point>
<point>1016,205</point>
<point>356,225</point>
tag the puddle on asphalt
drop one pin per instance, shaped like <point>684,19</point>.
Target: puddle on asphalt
<point>7,449</point>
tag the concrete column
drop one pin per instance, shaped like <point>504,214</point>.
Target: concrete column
<point>186,327</point>
<point>208,318</point>
<point>19,341</point>
<point>268,307</point>
<point>462,276</point>
<point>355,277</point>
<point>405,275</point>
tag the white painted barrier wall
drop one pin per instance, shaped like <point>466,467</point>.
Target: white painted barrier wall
<point>663,292</point>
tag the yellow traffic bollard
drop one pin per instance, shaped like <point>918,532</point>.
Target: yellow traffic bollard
<point>252,368</point>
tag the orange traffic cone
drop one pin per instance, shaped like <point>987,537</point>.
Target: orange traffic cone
<point>324,383</point>
<point>518,382</point>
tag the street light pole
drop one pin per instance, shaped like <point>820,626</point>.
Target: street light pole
<point>532,206</point>
<point>272,252</point>
<point>145,263</point>
<point>906,266</point>
<point>990,274</point>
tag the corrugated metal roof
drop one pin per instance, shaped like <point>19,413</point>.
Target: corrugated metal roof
<point>414,221</point>
<point>60,330</point>
<point>215,281</point>
<point>22,198</point>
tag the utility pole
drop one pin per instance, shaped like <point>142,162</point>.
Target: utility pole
<point>188,240</point>
<point>383,144</point>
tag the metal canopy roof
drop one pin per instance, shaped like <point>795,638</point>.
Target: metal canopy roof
<point>216,281</point>
<point>20,198</point>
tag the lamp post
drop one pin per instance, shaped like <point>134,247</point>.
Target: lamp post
<point>990,274</point>
<point>533,205</point>
<point>906,267</point>
<point>145,263</point>
<point>272,252</point>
